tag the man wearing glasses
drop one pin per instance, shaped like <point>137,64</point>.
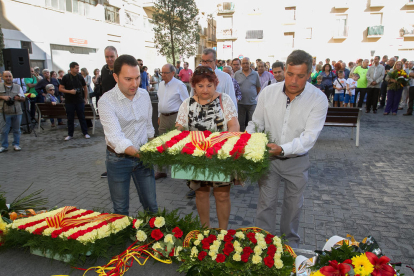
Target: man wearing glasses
<point>225,83</point>
<point>171,94</point>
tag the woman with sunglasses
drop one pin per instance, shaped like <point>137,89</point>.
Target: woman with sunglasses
<point>214,111</point>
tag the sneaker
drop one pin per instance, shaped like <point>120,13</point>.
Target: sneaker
<point>17,148</point>
<point>87,136</point>
<point>104,175</point>
<point>68,138</point>
<point>191,194</point>
<point>3,149</point>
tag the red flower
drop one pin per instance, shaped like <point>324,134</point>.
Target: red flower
<point>212,238</point>
<point>206,133</point>
<point>157,234</point>
<point>381,267</point>
<point>269,238</point>
<point>160,149</point>
<point>250,235</point>
<point>271,250</point>
<point>348,261</point>
<point>206,243</point>
<point>247,250</point>
<point>268,261</point>
<point>245,257</point>
<point>171,253</point>
<point>220,258</point>
<point>202,255</point>
<point>151,222</point>
<point>133,223</point>
<point>228,248</point>
<point>189,148</point>
<point>335,269</point>
<point>228,238</point>
<point>177,232</point>
<point>231,232</point>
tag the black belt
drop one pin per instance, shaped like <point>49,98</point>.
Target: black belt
<point>117,154</point>
<point>169,114</point>
<point>287,158</point>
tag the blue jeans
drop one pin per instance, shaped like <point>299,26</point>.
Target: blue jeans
<point>80,111</point>
<point>120,170</point>
<point>12,121</point>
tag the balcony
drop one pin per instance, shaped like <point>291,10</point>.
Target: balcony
<point>375,31</point>
<point>407,32</point>
<point>410,3</point>
<point>341,33</point>
<point>226,8</point>
<point>341,5</point>
<point>377,3</point>
<point>149,5</point>
<point>227,34</point>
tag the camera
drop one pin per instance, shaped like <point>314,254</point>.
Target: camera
<point>10,102</point>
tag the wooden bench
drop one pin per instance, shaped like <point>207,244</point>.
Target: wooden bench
<point>58,111</point>
<point>345,117</point>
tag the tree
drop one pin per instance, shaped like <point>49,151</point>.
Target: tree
<point>176,30</point>
<point>1,47</point>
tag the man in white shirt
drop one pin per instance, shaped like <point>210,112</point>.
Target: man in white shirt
<point>126,115</point>
<point>225,83</point>
<point>294,113</point>
<point>171,94</point>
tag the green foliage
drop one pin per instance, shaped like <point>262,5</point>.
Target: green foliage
<point>105,248</point>
<point>339,254</point>
<point>175,28</point>
<point>1,47</point>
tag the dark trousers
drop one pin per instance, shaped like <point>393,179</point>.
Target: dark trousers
<point>32,108</point>
<point>80,111</point>
<point>363,92</point>
<point>393,101</point>
<point>410,100</point>
<point>383,93</point>
<point>328,92</point>
<point>372,98</point>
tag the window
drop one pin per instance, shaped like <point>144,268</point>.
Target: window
<point>341,26</point>
<point>290,13</point>
<point>81,7</point>
<point>111,14</point>
<point>254,34</point>
<point>131,18</point>
<point>308,33</point>
<point>56,4</point>
<point>289,40</point>
<point>26,45</point>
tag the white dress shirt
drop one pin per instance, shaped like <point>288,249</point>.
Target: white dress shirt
<point>225,85</point>
<point>126,123</point>
<point>294,126</point>
<point>266,85</point>
<point>171,96</point>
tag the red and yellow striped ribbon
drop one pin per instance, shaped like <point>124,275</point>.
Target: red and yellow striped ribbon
<point>199,140</point>
<point>56,220</point>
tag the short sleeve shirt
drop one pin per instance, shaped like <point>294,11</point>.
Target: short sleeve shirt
<point>72,82</point>
<point>32,80</point>
<point>362,72</point>
<point>248,86</point>
<point>185,75</point>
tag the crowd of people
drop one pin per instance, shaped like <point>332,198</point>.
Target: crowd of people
<point>288,99</point>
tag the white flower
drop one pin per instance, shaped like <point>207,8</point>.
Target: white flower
<point>141,236</point>
<point>197,242</point>
<point>259,236</point>
<point>255,148</point>
<point>262,244</point>
<point>278,263</point>
<point>156,246</point>
<point>237,257</point>
<point>240,235</point>
<point>177,250</point>
<point>206,232</point>
<point>138,223</point>
<point>236,244</point>
<point>224,232</point>
<point>276,240</point>
<point>217,243</point>
<point>278,256</point>
<point>256,259</point>
<point>200,237</point>
<point>213,255</point>
<point>279,247</point>
<point>194,251</point>
<point>238,249</point>
<point>169,239</point>
<point>159,222</point>
<point>214,248</point>
<point>257,250</point>
<point>220,237</point>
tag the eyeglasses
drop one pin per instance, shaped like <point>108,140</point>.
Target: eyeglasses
<point>162,73</point>
<point>51,89</point>
<point>204,70</point>
<point>207,61</point>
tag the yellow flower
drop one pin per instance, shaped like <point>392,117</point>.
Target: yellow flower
<point>240,235</point>
<point>197,242</point>
<point>141,236</point>
<point>257,250</point>
<point>138,223</point>
<point>237,257</point>
<point>169,238</point>
<point>362,265</point>
<point>206,232</point>
<point>238,249</point>
<point>236,244</point>
<point>224,232</point>
<point>278,263</point>
<point>256,259</point>
<point>194,251</point>
<point>159,222</point>
<point>220,237</point>
<point>317,273</point>
<point>200,237</point>
<point>262,244</point>
<point>156,246</point>
<point>213,255</point>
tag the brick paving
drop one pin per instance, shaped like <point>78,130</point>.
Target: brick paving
<point>360,191</point>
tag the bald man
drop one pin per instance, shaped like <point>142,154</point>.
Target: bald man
<point>249,83</point>
<point>11,95</point>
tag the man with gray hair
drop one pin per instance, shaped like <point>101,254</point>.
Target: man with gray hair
<point>294,113</point>
<point>225,83</point>
<point>41,86</point>
<point>374,78</point>
<point>171,94</point>
<point>11,96</point>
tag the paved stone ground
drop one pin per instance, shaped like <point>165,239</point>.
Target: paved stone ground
<point>361,191</point>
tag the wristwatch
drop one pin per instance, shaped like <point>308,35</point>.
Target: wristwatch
<point>282,153</point>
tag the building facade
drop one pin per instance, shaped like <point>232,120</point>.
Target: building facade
<point>338,29</point>
<point>57,32</point>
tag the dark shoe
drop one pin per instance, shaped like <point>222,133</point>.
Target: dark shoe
<point>104,175</point>
<point>380,107</point>
<point>407,114</point>
<point>160,175</point>
<point>375,112</point>
<point>190,194</point>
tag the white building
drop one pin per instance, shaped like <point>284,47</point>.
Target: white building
<point>57,32</point>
